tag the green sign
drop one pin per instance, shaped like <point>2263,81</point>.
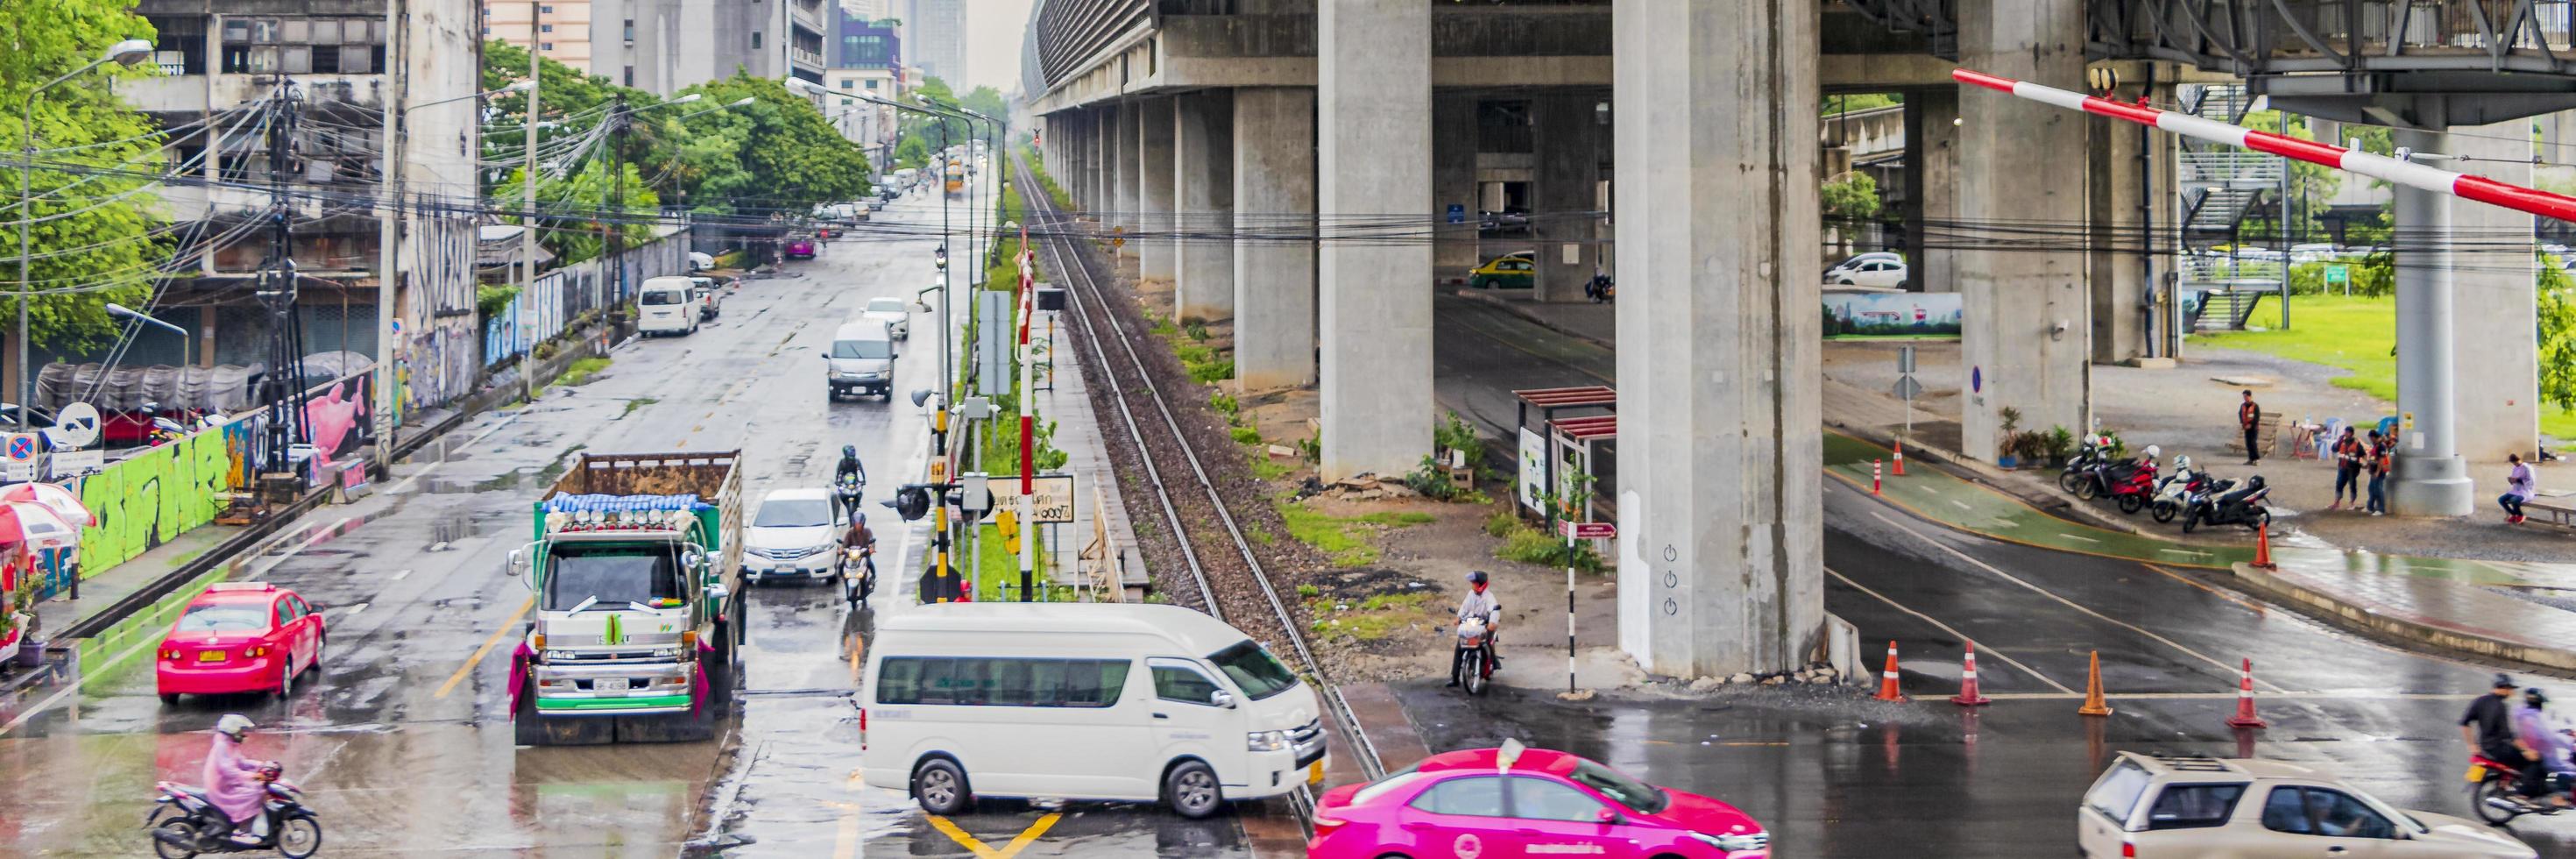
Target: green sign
<point>2336,274</point>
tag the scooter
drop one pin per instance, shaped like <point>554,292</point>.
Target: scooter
<point>2495,792</point>
<point>184,823</point>
<point>2237,505</point>
<point>859,565</point>
<point>2129,482</point>
<point>1477,666</point>
<point>2094,452</point>
<point>2174,492</point>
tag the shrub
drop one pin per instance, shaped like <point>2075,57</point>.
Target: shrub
<point>1245,435</point>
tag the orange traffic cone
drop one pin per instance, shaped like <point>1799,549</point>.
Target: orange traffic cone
<point>1968,696</point>
<point>1887,679</point>
<point>2245,717</point>
<point>1900,457</point>
<point>2263,546</point>
<point>2093,703</point>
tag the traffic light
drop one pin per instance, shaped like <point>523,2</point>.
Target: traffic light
<point>1008,523</point>
<point>912,501</point>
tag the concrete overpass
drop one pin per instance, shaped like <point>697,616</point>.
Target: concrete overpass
<point>1291,164</point>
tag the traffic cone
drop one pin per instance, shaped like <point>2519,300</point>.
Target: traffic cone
<point>2093,703</point>
<point>2245,717</point>
<point>2263,546</point>
<point>1900,457</point>
<point>1887,679</point>
<point>1968,696</point>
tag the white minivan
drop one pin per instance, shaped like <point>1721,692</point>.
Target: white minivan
<point>665,305</point>
<point>1081,701</point>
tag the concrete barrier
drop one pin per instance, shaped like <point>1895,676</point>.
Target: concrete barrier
<point>2357,616</point>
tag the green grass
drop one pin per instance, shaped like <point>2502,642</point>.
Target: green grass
<point>1245,435</point>
<point>999,568</point>
<point>1381,616</point>
<point>637,403</point>
<point>1344,540</point>
<point>1266,468</point>
<point>2355,334</point>
<point>580,371</point>
<point>1399,519</point>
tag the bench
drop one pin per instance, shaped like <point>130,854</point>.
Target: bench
<point>2267,429</point>
<point>2558,511</point>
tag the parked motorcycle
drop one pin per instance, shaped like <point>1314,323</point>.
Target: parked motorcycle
<point>184,823</point>
<point>2129,482</point>
<point>1477,666</point>
<point>2094,452</point>
<point>2227,504</point>
<point>2173,493</point>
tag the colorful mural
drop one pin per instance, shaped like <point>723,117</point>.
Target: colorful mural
<point>153,497</point>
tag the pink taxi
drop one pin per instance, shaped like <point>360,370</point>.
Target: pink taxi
<point>1513,801</point>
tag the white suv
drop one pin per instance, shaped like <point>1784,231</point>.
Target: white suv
<point>2154,806</point>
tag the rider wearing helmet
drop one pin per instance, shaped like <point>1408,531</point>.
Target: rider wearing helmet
<point>233,783</point>
<point>849,465</point>
<point>1479,604</point>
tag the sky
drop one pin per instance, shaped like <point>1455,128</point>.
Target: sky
<point>994,30</point>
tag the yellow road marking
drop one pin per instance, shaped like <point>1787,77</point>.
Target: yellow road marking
<point>845,840</point>
<point>486,649</point>
<point>1019,843</point>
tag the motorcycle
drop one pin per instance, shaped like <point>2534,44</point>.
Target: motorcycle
<point>2495,792</point>
<point>2174,492</point>
<point>858,566</point>
<point>164,429</point>
<point>1600,288</point>
<point>184,823</point>
<point>848,492</point>
<point>2227,504</point>
<point>2094,452</point>
<point>1477,666</point>
<point>2129,482</point>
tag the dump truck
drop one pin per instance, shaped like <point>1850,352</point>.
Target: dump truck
<point>639,606</point>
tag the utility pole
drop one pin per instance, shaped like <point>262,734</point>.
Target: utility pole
<point>617,195</point>
<point>528,232</point>
<point>388,239</point>
<point>285,389</point>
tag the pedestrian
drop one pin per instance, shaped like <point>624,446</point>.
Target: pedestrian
<point>2347,451</point>
<point>2517,488</point>
<point>2249,417</point>
<point>2376,459</point>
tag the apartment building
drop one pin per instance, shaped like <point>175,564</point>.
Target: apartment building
<point>563,31</point>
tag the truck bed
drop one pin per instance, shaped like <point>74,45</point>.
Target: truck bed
<point>648,474</point>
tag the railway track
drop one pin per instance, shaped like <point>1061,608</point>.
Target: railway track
<point>1226,577</point>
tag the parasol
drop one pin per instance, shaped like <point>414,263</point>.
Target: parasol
<point>36,525</point>
<point>55,497</point>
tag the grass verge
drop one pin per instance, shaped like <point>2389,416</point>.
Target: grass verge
<point>2355,334</point>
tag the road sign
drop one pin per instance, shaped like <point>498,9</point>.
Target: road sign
<point>75,463</point>
<point>1907,388</point>
<point>1587,530</point>
<point>77,425</point>
<point>1054,496</point>
<point>1905,360</point>
<point>2337,273</point>
<point>1457,213</point>
<point>18,456</point>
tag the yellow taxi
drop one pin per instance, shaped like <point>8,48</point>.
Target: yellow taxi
<point>1517,270</point>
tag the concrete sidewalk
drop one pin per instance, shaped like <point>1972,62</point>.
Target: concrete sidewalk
<point>99,591</point>
<point>2504,607</point>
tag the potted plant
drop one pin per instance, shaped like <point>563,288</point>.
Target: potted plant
<point>2061,445</point>
<point>2007,452</point>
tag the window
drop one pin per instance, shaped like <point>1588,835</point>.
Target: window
<point>295,59</point>
<point>630,76</point>
<point>1253,669</point>
<point>862,350</point>
<point>296,31</point>
<point>1536,798</point>
<point>872,84</point>
<point>1001,681</point>
<point>2192,806</point>
<point>545,28</point>
<point>755,40</point>
<point>545,46</point>
<point>279,615</point>
<point>545,10</point>
<point>615,575</point>
<point>794,513</point>
<point>846,82</point>
<point>1185,685</point>
<point>327,31</point>
<point>630,29</point>
<point>1645,798</point>
<point>1473,796</point>
<point>2320,811</point>
<point>2116,793</point>
<point>2284,813</point>
<point>220,617</point>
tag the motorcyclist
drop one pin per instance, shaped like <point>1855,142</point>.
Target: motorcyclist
<point>2532,724</point>
<point>2487,727</point>
<point>1480,604</point>
<point>233,782</point>
<point>850,466</point>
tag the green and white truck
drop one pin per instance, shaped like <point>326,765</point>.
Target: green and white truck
<point>637,569</point>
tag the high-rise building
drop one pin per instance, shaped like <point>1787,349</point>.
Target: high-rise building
<point>867,59</point>
<point>936,33</point>
<point>869,10</point>
<point>668,45</point>
<point>563,32</point>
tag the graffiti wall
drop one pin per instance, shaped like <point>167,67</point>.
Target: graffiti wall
<point>437,355</point>
<point>566,293</point>
<point>153,497</point>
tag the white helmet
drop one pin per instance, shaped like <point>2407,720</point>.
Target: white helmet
<point>2153,452</point>
<point>2182,462</point>
<point>234,725</point>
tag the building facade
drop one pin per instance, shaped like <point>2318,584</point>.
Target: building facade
<point>665,46</point>
<point>564,28</point>
<point>936,33</point>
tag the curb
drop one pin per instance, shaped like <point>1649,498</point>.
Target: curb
<point>1984,475</point>
<point>1515,309</point>
<point>2397,631</point>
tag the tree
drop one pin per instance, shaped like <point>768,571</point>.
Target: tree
<point>2557,318</point>
<point>1853,198</point>
<point>788,156</point>
<point>91,231</point>
<point>564,92</point>
<point>584,211</point>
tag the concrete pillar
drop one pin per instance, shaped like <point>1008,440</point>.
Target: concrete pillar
<point>1932,188</point>
<point>1373,176</point>
<point>2021,162</point>
<point>1203,191</point>
<point>1721,554</point>
<point>1103,199</point>
<point>1274,252</point>
<point>2492,278</point>
<point>2431,479</point>
<point>2132,215</point>
<point>1567,130</point>
<point>1154,188</point>
<point>1129,193</point>
<point>1453,183</point>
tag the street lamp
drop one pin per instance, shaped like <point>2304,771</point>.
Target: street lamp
<point>125,53</point>
<point>187,345</point>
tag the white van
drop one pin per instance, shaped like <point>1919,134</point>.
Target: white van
<point>1082,701</point>
<point>666,306</point>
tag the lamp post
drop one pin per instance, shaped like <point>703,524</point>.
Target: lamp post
<point>124,53</point>
<point>187,344</point>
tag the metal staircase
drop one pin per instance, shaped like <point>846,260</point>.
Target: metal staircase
<point>2220,187</point>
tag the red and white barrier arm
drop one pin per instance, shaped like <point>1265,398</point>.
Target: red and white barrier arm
<point>2407,173</point>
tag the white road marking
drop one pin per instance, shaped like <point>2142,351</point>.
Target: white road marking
<point>2187,554</point>
<point>2231,669</point>
<point>308,542</point>
<point>425,470</point>
<point>1954,633</point>
<point>398,575</point>
<point>1962,504</point>
<point>2079,537</point>
<point>354,609</point>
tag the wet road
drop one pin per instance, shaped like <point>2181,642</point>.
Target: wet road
<point>403,741</point>
<point>1836,775</point>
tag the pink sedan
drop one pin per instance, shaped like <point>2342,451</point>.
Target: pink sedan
<point>1515,802</point>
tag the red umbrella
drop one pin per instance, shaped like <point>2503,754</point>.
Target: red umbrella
<point>36,525</point>
<point>54,496</point>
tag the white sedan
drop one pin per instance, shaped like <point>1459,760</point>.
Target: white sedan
<point>891,311</point>
<point>1881,272</point>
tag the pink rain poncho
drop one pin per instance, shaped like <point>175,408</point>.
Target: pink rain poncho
<point>232,782</point>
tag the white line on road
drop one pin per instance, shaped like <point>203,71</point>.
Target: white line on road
<point>2231,696</point>
<point>308,542</point>
<point>2079,537</point>
<point>2231,669</point>
<point>1962,504</point>
<point>478,439</point>
<point>398,575</point>
<point>2187,554</point>
<point>354,609</point>
<point>1954,633</point>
